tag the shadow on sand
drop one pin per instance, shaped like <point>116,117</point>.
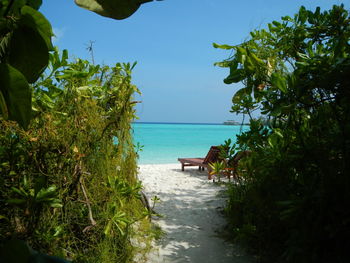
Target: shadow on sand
<point>192,222</point>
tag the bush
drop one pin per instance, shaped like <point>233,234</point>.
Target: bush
<point>69,183</point>
<point>293,204</point>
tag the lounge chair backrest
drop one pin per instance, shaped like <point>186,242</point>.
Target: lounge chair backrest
<point>213,155</point>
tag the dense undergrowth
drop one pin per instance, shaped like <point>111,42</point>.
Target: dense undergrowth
<point>292,204</point>
<point>68,184</point>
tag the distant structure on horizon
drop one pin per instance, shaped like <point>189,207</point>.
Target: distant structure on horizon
<point>231,122</point>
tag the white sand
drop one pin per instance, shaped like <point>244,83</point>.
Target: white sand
<point>191,209</point>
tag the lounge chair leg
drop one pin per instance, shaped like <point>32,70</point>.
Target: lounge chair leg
<point>182,167</point>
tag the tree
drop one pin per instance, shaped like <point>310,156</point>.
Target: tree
<point>293,204</point>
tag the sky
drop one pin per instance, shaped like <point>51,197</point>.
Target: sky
<point>171,41</point>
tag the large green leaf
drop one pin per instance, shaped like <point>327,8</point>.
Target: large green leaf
<point>236,75</point>
<point>37,21</point>
<point>249,65</point>
<point>30,59</point>
<point>117,9</point>
<point>255,59</point>
<point>16,7</point>
<point>278,81</point>
<point>240,94</point>
<point>215,45</point>
<point>17,95</point>
<point>34,3</point>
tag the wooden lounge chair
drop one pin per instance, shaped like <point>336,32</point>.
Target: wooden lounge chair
<point>231,170</point>
<point>212,156</point>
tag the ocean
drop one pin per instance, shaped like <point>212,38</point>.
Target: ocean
<point>165,142</point>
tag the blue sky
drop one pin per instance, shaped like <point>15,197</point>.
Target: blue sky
<point>172,43</point>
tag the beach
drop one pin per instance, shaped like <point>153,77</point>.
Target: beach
<point>163,143</point>
<point>191,207</point>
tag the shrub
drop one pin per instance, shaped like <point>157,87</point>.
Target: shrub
<point>293,205</point>
<point>69,183</point>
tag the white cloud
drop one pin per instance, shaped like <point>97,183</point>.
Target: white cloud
<point>58,34</point>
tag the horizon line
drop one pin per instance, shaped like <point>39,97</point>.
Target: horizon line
<point>167,122</point>
<point>196,123</point>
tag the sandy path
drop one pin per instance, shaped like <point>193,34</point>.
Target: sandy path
<point>191,209</point>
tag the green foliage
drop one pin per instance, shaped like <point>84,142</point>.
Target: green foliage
<point>216,169</point>
<point>117,9</point>
<point>67,187</point>
<point>227,151</point>
<point>68,183</point>
<point>292,205</point>
<point>20,63</point>
<point>16,251</point>
<point>21,23</point>
<point>16,101</point>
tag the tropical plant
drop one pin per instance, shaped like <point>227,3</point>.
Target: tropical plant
<point>227,151</point>
<point>51,173</point>
<point>292,206</point>
<point>69,183</point>
<point>22,64</point>
<point>216,169</point>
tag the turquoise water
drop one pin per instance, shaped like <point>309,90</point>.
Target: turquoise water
<point>164,143</point>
